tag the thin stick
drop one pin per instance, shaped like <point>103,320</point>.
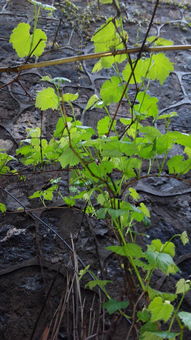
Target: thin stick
<point>94,56</point>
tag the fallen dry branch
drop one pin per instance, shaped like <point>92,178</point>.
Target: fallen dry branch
<point>93,56</point>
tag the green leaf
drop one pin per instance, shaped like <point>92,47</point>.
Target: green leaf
<point>160,310</point>
<point>186,319</point>
<point>21,40</point>
<point>167,115</point>
<point>115,148</point>
<point>160,68</point>
<point>106,1</point>
<point>99,283</point>
<point>163,144</point>
<point>158,335</point>
<point>134,194</point>
<point>103,125</point>
<point>2,207</point>
<point>68,157</point>
<point>159,41</point>
<point>113,305</point>
<point>107,39</point>
<point>70,97</point>
<point>147,105</point>
<point>84,271</point>
<point>143,315</point>
<point>130,249</point>
<point>91,102</point>
<point>165,296</point>
<point>180,138</point>
<point>177,164</point>
<point>47,99</point>
<point>70,201</point>
<point>144,209</point>
<point>157,67</point>
<point>187,151</point>
<point>161,261</point>
<point>140,71</point>
<point>111,90</point>
<point>101,213</point>
<point>182,286</point>
<point>4,159</point>
<point>150,132</point>
<point>184,238</point>
<point>38,39</point>
<point>167,247</point>
<point>24,43</point>
<point>45,194</point>
<point>148,327</point>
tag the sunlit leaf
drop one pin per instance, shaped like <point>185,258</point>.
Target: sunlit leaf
<point>159,41</point>
<point>70,97</point>
<point>111,90</point>
<point>144,209</point>
<point>134,194</point>
<point>160,310</point>
<point>177,164</point>
<point>138,74</point>
<point>91,102</point>
<point>183,286</point>
<point>47,99</point>
<point>106,1</point>
<point>184,238</point>
<point>147,105</point>
<point>103,125</point>
<point>160,68</point>
<point>2,207</point>
<point>25,43</point>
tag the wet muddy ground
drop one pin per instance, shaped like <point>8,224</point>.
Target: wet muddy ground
<point>32,290</point>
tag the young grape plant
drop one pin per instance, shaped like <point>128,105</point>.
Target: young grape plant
<point>106,163</point>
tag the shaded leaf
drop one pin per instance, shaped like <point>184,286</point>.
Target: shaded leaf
<point>113,305</point>
<point>99,283</point>
<point>165,296</point>
<point>186,319</point>
<point>161,261</point>
<point>158,335</point>
<point>130,249</point>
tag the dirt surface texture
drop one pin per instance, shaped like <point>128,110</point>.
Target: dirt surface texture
<point>37,262</point>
